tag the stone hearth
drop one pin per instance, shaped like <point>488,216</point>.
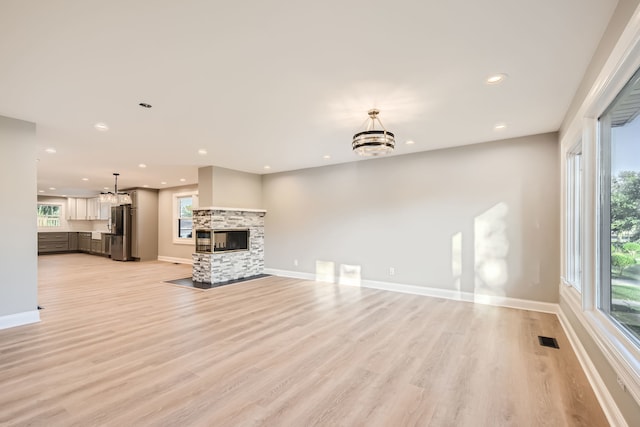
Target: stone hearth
<point>218,267</point>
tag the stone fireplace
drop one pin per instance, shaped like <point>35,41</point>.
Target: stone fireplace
<point>229,244</point>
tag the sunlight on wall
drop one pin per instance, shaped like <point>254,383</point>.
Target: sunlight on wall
<point>491,247</point>
<point>350,275</point>
<point>456,259</point>
<point>325,271</point>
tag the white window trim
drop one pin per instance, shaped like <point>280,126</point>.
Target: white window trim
<point>618,349</point>
<point>573,184</point>
<point>174,219</point>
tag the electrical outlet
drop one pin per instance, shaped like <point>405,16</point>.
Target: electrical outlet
<point>621,384</point>
<point>295,262</point>
<point>392,271</point>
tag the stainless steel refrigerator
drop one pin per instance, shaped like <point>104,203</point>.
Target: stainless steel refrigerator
<point>121,233</point>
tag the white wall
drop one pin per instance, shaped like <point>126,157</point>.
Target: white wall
<point>18,219</point>
<point>481,219</point>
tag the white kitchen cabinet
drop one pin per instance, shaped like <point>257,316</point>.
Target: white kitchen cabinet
<point>72,210</point>
<point>81,208</point>
<point>93,208</point>
<point>105,211</point>
<point>76,208</point>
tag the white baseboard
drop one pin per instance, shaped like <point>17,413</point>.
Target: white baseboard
<point>291,274</point>
<point>521,304</point>
<point>175,260</point>
<point>19,319</point>
<point>608,404</point>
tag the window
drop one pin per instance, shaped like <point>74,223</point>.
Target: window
<point>183,205</point>
<point>619,284</point>
<point>574,218</point>
<point>49,215</point>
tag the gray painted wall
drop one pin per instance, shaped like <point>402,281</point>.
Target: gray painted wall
<point>18,253</point>
<point>166,247</point>
<point>236,189</point>
<point>482,219</point>
<point>625,9</point>
<point>619,20</point>
<point>221,187</point>
<point>628,407</point>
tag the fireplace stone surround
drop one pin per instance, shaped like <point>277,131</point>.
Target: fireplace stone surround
<point>219,267</point>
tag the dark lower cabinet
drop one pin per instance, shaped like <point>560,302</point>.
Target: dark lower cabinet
<point>84,242</point>
<point>73,241</point>
<point>53,242</point>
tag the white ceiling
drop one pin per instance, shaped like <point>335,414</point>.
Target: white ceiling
<point>280,83</point>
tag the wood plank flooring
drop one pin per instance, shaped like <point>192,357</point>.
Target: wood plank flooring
<point>116,346</point>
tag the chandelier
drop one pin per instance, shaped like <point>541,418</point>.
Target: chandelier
<point>372,142</point>
<point>115,198</point>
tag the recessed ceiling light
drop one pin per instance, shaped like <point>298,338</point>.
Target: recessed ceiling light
<point>267,167</point>
<point>326,156</point>
<point>410,142</point>
<point>85,179</point>
<point>63,195</point>
<point>146,185</point>
<point>142,165</point>
<point>52,188</point>
<point>494,79</point>
<point>102,127</point>
<point>144,105</point>
<point>51,150</point>
<point>500,126</point>
<point>106,188</point>
<point>40,191</point>
<point>163,182</point>
<point>182,180</point>
<point>202,152</point>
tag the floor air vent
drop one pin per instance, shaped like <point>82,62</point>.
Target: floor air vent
<point>548,342</point>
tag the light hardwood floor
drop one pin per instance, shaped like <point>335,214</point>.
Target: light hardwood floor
<point>117,346</point>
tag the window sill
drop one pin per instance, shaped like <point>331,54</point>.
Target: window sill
<point>184,242</point>
<point>616,347</point>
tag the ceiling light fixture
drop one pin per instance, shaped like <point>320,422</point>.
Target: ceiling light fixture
<point>182,180</point>
<point>326,157</point>
<point>115,198</point>
<point>202,152</point>
<point>410,142</point>
<point>500,126</point>
<point>372,142</point>
<point>85,179</point>
<point>267,167</point>
<point>102,127</point>
<point>142,165</point>
<point>51,150</point>
<point>495,79</point>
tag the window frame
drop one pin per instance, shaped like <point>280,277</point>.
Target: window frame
<point>175,217</point>
<point>574,207</point>
<point>605,283</point>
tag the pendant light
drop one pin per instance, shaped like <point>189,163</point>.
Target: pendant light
<point>115,198</point>
<point>373,142</point>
